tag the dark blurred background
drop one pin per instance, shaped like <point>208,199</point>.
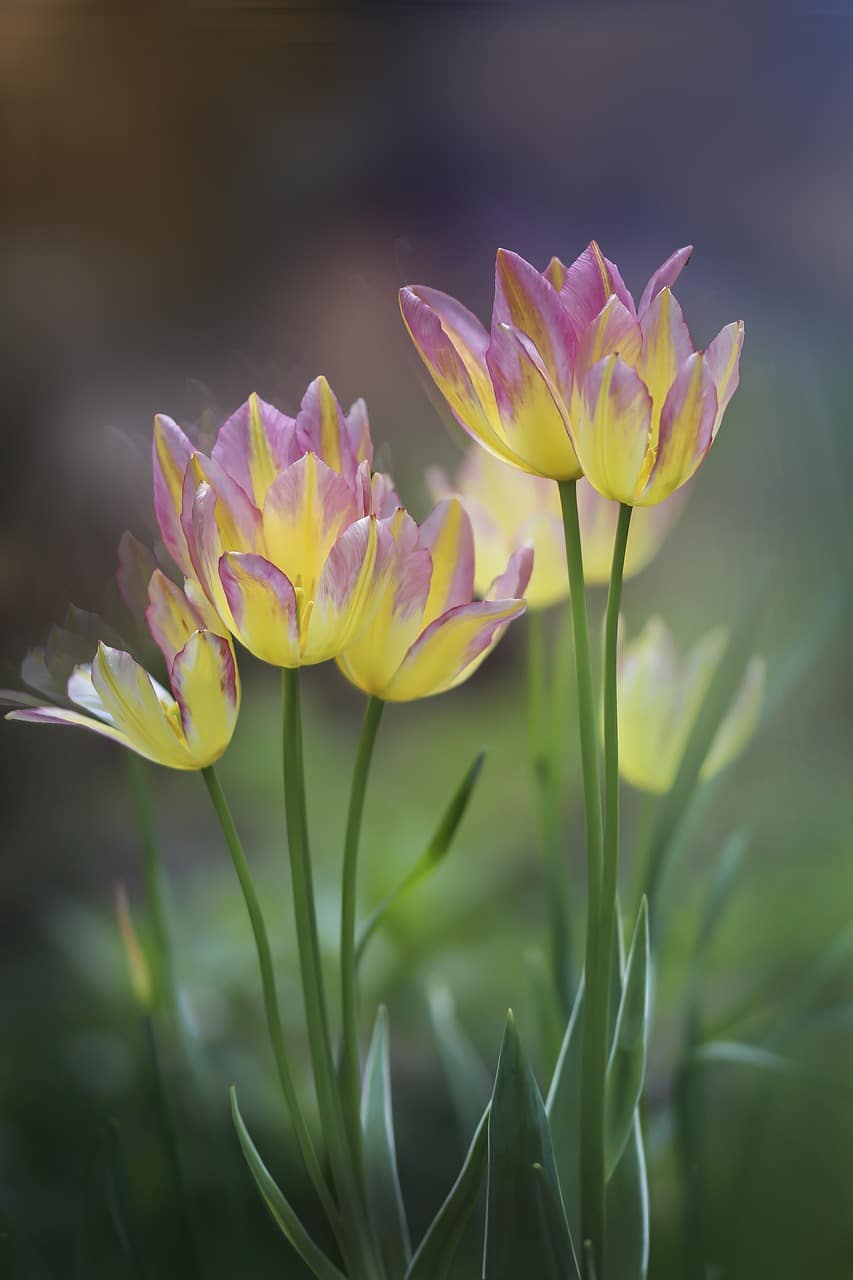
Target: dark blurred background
<point>199,201</point>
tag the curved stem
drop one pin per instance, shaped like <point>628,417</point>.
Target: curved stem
<point>313,987</point>
<point>350,1073</point>
<point>154,878</point>
<point>592,1135</point>
<point>271,1008</point>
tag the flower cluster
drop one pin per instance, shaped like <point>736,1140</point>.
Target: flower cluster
<point>574,378</point>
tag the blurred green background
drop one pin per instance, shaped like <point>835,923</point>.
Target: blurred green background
<point>201,201</point>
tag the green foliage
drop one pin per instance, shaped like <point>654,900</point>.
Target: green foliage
<point>385,1199</point>
<point>436,1252</point>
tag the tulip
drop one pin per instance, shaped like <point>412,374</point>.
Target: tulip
<point>281,524</point>
<point>660,699</point>
<point>509,509</point>
<point>186,727</point>
<point>574,378</point>
<point>428,633</point>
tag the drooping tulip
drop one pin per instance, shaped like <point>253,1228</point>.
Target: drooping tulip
<point>509,509</point>
<point>281,524</point>
<point>660,697</point>
<point>428,633</point>
<point>187,726</point>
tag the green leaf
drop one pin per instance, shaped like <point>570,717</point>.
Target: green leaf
<point>467,1079</point>
<point>553,1229</point>
<point>519,1139</point>
<point>431,857</point>
<point>626,1069</point>
<point>385,1199</point>
<point>281,1211</point>
<point>120,1202</point>
<point>628,1212</point>
<point>563,1107</point>
<point>722,884</point>
<point>434,1255</point>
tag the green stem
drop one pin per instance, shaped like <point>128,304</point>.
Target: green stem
<point>543,753</point>
<point>350,1073</point>
<point>313,988</point>
<point>165,985</point>
<point>592,1082</point>
<point>173,1152</point>
<point>271,1006</point>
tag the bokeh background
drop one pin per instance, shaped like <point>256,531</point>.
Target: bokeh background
<point>203,200</point>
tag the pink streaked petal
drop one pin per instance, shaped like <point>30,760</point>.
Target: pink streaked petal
<point>612,433</point>
<point>447,535</point>
<point>588,283</point>
<point>358,431</point>
<point>451,648</point>
<point>322,429</point>
<point>263,604</point>
<point>138,706</point>
<point>305,511</point>
<point>461,326</point>
<point>257,441</point>
<point>238,517</point>
<point>613,331</point>
<point>686,428</point>
<point>532,411</point>
<point>528,302</point>
<point>665,277</point>
<point>666,345</point>
<point>723,360</point>
<point>345,587</point>
<point>171,617</point>
<point>555,273</point>
<point>384,499</point>
<point>207,689</point>
<point>171,453</point>
<point>512,583</point>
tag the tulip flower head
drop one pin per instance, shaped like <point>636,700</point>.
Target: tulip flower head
<point>187,726</point>
<point>576,379</point>
<point>280,524</point>
<point>509,509</point>
<point>660,699</point>
<point>428,633</point>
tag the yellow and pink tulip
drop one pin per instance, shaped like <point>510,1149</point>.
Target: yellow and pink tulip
<point>187,726</point>
<point>575,379</point>
<point>428,634</point>
<point>283,525</point>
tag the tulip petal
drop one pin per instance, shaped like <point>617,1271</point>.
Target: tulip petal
<point>587,285</point>
<point>305,510</point>
<point>344,590</point>
<point>447,535</point>
<point>171,617</point>
<point>451,370</point>
<point>358,432</point>
<point>666,345</point>
<point>723,359</point>
<point>614,331</point>
<point>531,408</point>
<point>740,722</point>
<point>555,273</point>
<point>512,583</point>
<point>60,715</point>
<point>321,429</point>
<point>612,433</point>
<point>373,657</point>
<point>384,499</point>
<point>171,454</point>
<point>263,604</point>
<point>686,425</point>
<point>255,443</point>
<point>451,648</point>
<point>141,710</point>
<point>82,692</point>
<point>665,277</point>
<point>528,302</point>
<point>207,688</point>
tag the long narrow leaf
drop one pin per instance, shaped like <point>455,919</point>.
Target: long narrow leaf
<point>563,1106</point>
<point>431,857</point>
<point>281,1211</point>
<point>434,1255</point>
<point>519,1139</point>
<point>467,1079</point>
<point>380,1157</point>
<point>626,1069</point>
<point>628,1212</point>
